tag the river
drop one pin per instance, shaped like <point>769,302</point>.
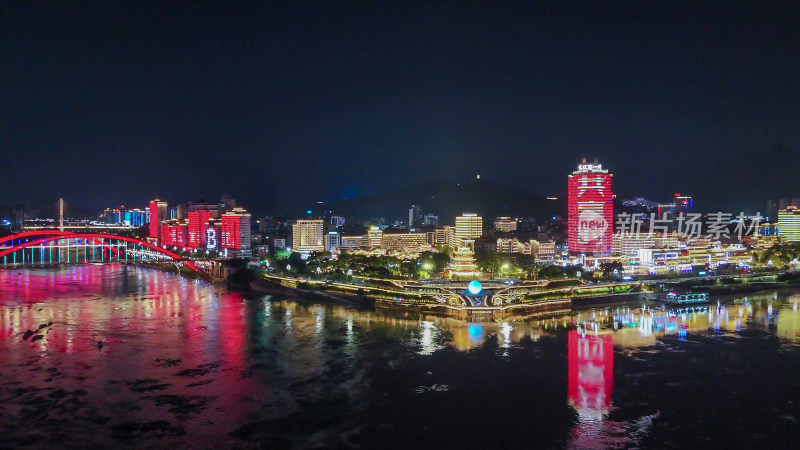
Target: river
<point>118,356</point>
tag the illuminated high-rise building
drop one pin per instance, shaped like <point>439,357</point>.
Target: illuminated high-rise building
<point>468,226</point>
<point>333,240</point>
<point>235,233</point>
<point>590,210</point>
<point>158,214</point>
<point>374,237</point>
<point>308,235</point>
<point>198,221</point>
<point>173,234</point>
<point>789,224</point>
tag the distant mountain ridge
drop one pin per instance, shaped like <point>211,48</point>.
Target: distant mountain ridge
<point>447,199</point>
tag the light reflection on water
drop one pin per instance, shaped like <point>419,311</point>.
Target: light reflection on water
<point>137,356</point>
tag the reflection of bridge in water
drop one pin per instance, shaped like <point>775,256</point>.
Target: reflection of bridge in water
<point>55,247</point>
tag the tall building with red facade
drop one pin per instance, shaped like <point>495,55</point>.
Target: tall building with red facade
<point>235,232</point>
<point>174,234</point>
<point>590,210</point>
<point>198,221</point>
<point>158,213</point>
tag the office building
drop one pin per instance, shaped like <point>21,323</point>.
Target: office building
<point>333,240</point>
<point>629,244</point>
<point>544,250</point>
<point>113,216</point>
<point>401,242</point>
<point>158,214</point>
<point>442,236</point>
<point>350,243</point>
<point>198,222</point>
<point>590,210</point>
<point>136,217</point>
<point>771,212</point>
<point>235,233</point>
<point>374,237</point>
<point>308,235</point>
<point>469,226</point>
<point>505,224</point>
<point>430,220</point>
<point>174,234</point>
<point>414,214</point>
<point>789,224</point>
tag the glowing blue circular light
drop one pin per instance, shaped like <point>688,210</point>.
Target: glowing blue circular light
<point>474,287</point>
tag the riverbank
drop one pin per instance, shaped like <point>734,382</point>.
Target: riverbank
<point>366,296</point>
<point>400,299</point>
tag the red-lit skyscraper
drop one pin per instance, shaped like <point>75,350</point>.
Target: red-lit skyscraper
<point>174,233</point>
<point>197,227</point>
<point>158,213</point>
<point>235,232</point>
<point>590,210</point>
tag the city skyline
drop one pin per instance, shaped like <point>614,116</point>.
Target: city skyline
<point>286,105</point>
<point>314,224</point>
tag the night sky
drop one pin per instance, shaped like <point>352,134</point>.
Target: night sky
<point>283,104</point>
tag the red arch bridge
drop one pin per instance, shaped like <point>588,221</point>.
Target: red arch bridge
<point>47,247</point>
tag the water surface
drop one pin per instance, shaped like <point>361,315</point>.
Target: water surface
<point>123,356</point>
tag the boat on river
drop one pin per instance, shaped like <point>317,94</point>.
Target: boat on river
<point>687,299</point>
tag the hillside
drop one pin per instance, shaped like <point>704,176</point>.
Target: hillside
<point>448,199</point>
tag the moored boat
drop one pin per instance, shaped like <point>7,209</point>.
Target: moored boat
<point>687,299</point>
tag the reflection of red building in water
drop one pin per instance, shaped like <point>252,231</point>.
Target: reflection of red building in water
<point>590,210</point>
<point>591,373</point>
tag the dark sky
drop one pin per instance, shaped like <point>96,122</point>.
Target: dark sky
<point>284,103</point>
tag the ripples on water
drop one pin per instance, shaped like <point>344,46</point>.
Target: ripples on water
<point>117,356</point>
